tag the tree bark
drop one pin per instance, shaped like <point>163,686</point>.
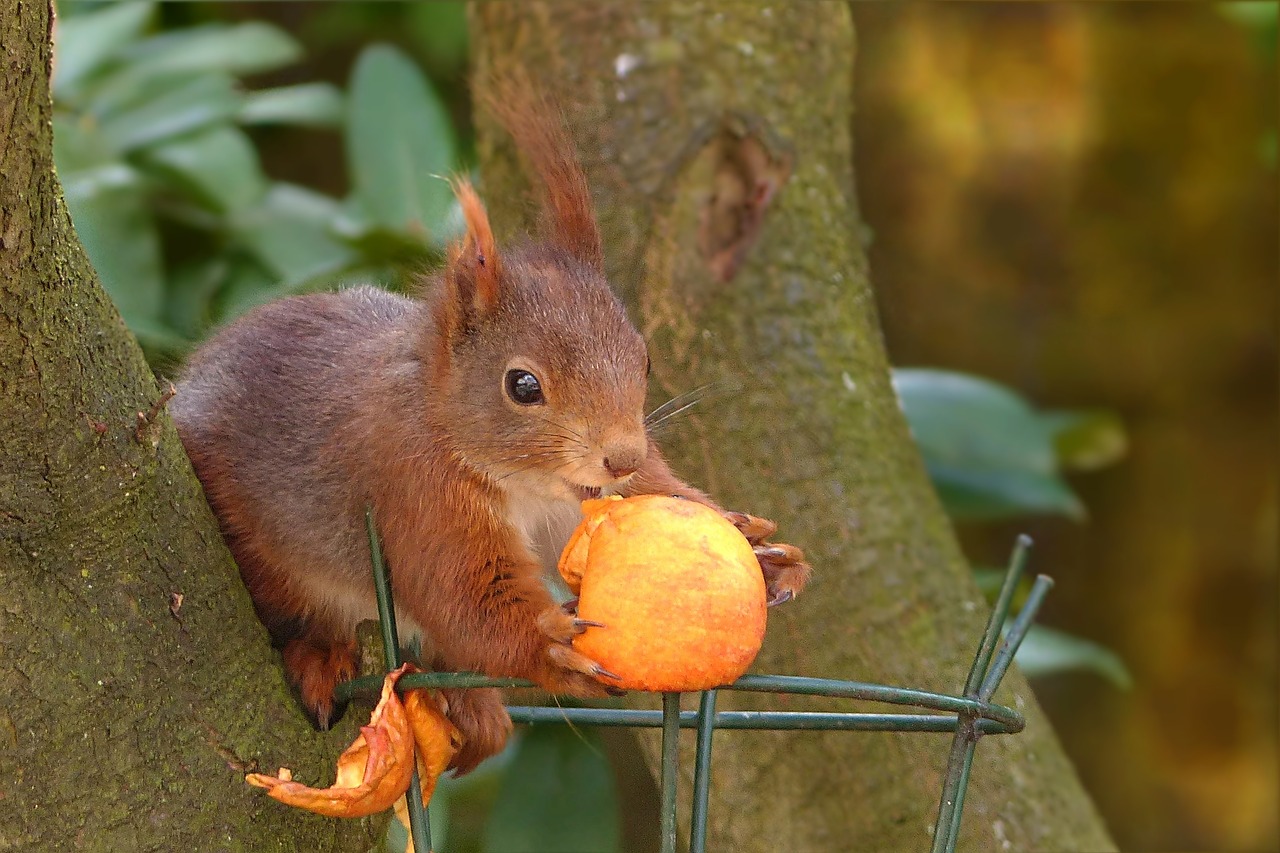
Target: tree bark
<point>716,139</point>
<point>136,685</point>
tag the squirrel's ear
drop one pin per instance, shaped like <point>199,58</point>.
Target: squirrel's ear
<point>539,133</point>
<point>474,265</point>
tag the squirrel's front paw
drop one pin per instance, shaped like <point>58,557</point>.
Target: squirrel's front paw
<point>569,671</point>
<point>483,721</point>
<point>784,566</point>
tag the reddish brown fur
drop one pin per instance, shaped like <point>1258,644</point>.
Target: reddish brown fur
<point>540,136</point>
<point>479,251</point>
<point>305,410</point>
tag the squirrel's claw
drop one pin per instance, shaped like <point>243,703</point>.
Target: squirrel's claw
<point>561,627</point>
<point>579,626</point>
<point>574,673</point>
<point>601,671</point>
<point>483,721</point>
<point>784,567</point>
<point>754,528</point>
<point>785,571</point>
<point>314,670</point>
<point>570,671</point>
<point>780,597</point>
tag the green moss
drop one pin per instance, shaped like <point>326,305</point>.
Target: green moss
<point>781,433</point>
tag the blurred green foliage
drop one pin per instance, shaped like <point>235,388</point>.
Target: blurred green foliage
<point>155,145</point>
<point>993,456</point>
<point>1262,17</point>
<point>166,190</point>
<point>558,795</point>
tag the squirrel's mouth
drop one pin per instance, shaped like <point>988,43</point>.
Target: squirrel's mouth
<point>584,493</point>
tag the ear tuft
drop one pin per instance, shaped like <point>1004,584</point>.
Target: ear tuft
<point>476,257</point>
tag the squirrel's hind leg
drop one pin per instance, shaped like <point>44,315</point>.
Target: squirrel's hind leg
<point>318,656</point>
<point>315,667</point>
<point>481,717</point>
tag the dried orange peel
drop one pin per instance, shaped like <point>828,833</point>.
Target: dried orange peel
<point>676,586</point>
<point>376,769</point>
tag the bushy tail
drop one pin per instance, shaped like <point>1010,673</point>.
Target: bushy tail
<point>539,133</point>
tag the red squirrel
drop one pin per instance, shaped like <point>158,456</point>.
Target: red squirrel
<point>474,420</point>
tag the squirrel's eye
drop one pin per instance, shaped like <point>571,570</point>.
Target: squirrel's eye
<point>523,388</point>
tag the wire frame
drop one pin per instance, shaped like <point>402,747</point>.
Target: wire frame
<point>968,716</point>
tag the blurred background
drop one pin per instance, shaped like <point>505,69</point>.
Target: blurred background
<point>1071,214</point>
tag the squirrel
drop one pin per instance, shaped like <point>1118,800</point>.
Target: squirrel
<point>473,418</point>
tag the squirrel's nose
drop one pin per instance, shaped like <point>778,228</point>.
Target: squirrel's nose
<point>618,470</point>
<point>622,458</point>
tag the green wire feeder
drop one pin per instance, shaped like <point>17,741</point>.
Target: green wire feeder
<point>968,716</point>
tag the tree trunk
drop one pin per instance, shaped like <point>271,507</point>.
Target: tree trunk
<point>135,682</point>
<point>716,139</point>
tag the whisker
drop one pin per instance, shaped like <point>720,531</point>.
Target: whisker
<point>679,403</point>
<point>656,422</point>
<point>567,430</point>
<point>548,449</point>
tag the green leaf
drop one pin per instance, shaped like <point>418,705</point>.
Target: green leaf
<point>987,494</point>
<point>1045,651</point>
<point>291,233</point>
<point>158,337</point>
<point>190,104</point>
<point>307,104</point>
<point>190,292</point>
<point>81,184</point>
<point>441,29</point>
<point>77,144</point>
<point>248,285</point>
<point>400,144</point>
<point>378,245</point>
<point>85,43</point>
<point>119,234</point>
<point>217,166</point>
<point>1250,13</point>
<point>248,48</point>
<point>1087,440</point>
<point>558,795</point>
<point>989,453</point>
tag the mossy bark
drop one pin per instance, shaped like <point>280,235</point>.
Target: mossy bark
<point>716,138</point>
<point>136,685</point>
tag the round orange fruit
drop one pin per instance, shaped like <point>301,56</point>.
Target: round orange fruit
<point>676,586</point>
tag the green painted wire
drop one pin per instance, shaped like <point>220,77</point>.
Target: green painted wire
<point>706,722</point>
<point>670,762</point>
<point>419,820</point>
<point>974,714</point>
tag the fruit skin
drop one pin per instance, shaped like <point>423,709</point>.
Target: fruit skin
<point>677,587</point>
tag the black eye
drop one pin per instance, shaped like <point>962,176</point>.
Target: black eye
<point>523,388</point>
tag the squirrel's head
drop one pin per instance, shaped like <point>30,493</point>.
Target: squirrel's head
<point>545,377</point>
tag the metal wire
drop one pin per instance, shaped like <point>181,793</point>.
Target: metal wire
<point>984,677</point>
<point>419,820</point>
<point>670,765</point>
<point>967,717</point>
<point>706,719</point>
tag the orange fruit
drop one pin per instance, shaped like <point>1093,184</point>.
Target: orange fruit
<point>676,586</point>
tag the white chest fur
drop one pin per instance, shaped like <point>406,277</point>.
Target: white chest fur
<point>544,519</point>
